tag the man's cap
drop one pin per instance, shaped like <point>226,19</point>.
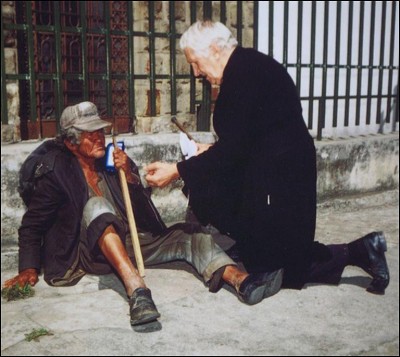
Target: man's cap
<point>83,116</point>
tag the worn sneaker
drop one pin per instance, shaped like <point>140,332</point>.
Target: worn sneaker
<point>142,308</point>
<point>257,287</point>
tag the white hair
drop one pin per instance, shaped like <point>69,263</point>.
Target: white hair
<point>72,134</point>
<point>202,34</point>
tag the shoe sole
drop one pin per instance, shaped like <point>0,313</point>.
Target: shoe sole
<point>146,319</point>
<point>271,286</point>
<point>382,248</point>
<point>382,242</point>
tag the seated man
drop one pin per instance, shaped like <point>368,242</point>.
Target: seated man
<point>76,224</point>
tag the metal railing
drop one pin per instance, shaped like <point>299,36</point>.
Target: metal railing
<point>346,63</point>
<point>342,56</point>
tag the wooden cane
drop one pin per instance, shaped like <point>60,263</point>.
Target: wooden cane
<point>131,219</point>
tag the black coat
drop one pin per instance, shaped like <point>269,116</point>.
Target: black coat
<point>258,181</point>
<point>50,230</point>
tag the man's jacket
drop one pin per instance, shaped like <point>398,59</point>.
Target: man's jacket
<point>50,230</point>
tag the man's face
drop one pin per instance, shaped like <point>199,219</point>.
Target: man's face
<point>207,67</point>
<point>92,144</point>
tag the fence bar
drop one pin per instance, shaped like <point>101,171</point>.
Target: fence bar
<point>172,52</point>
<point>391,58</point>
<point>360,53</point>
<point>299,44</point>
<point>271,28</point>
<point>131,79</point>
<point>192,79</point>
<point>108,63</point>
<point>371,60</point>
<point>207,10</point>
<point>222,14</point>
<point>152,49</point>
<point>379,116</point>
<point>4,104</point>
<point>31,68</point>
<point>285,33</point>
<point>255,25</point>
<point>337,61</point>
<point>204,114</point>
<point>59,89</point>
<point>85,71</point>
<point>321,116</point>
<point>322,108</point>
<point>239,16</point>
<point>312,60</point>
<point>348,71</point>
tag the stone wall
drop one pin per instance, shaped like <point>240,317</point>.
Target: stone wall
<point>345,167</point>
<point>10,132</point>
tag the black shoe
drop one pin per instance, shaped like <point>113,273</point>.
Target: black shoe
<point>142,308</point>
<point>375,245</point>
<point>257,287</point>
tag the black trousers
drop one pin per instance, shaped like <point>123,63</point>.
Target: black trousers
<point>328,267</point>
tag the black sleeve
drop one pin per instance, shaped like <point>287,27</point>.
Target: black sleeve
<point>37,220</point>
<point>237,112</point>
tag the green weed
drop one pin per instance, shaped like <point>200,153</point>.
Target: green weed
<point>17,293</point>
<point>36,333</point>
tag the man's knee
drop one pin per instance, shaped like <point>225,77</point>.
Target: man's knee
<point>100,218</point>
<point>95,207</point>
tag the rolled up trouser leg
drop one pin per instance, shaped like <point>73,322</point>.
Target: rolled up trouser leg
<point>184,242</point>
<point>98,214</point>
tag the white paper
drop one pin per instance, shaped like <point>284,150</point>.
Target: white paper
<point>188,147</point>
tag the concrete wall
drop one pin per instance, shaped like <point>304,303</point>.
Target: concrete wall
<point>346,167</point>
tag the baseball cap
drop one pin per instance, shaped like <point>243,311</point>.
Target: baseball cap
<point>83,116</point>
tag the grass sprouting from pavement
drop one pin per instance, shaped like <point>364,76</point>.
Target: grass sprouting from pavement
<point>36,333</point>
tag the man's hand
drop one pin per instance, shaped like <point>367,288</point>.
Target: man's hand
<point>28,276</point>
<point>202,147</point>
<point>121,161</point>
<point>160,174</point>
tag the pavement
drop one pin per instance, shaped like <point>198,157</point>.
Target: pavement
<point>92,317</point>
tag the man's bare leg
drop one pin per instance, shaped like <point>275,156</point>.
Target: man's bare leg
<point>142,308</point>
<point>233,276</point>
<point>115,252</point>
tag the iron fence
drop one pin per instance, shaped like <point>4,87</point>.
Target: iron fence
<point>343,57</point>
<point>71,51</point>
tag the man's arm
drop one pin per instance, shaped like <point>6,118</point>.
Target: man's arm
<point>35,223</point>
<point>160,174</point>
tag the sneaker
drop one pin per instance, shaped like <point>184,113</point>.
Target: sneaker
<point>142,308</point>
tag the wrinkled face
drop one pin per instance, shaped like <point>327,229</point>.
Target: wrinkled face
<point>92,144</point>
<point>208,67</point>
